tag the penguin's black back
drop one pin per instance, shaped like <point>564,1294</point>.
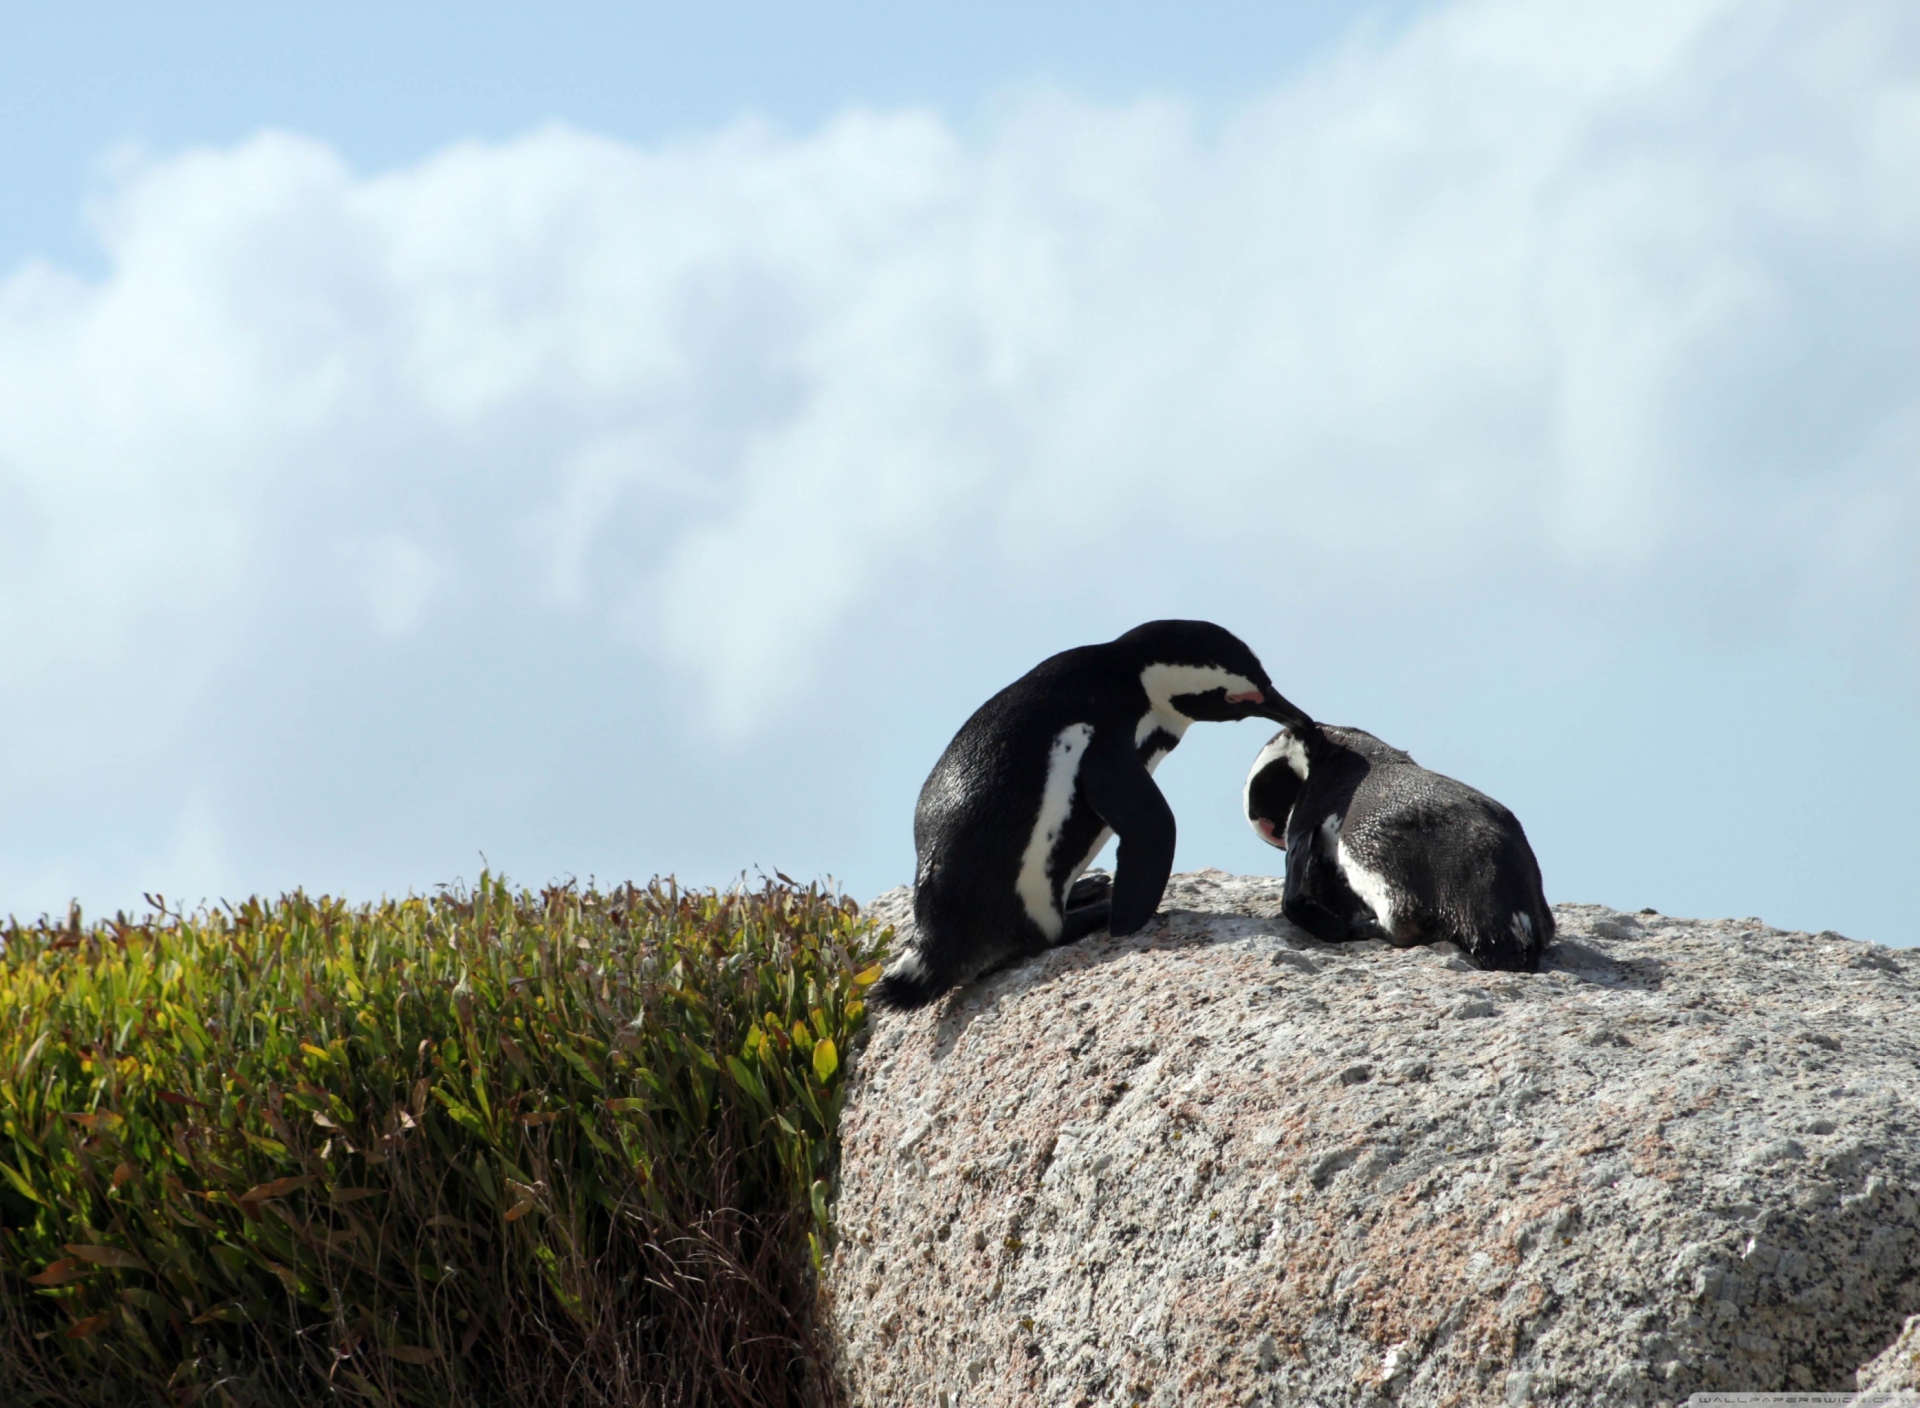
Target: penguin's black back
<point>975,809</point>
<point>975,813</point>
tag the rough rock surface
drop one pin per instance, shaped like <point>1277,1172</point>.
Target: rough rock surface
<point>1219,1162</point>
<point>1898,1368</point>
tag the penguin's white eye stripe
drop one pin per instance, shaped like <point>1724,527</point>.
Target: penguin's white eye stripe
<point>1165,683</point>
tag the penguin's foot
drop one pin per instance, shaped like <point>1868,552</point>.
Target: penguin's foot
<point>1324,924</point>
<point>1086,919</point>
<point>1092,888</point>
<point>1365,926</point>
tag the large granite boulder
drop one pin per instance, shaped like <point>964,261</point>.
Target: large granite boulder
<point>1221,1163</point>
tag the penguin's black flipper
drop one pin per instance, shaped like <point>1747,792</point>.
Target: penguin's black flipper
<point>1122,791</point>
<point>1317,897</point>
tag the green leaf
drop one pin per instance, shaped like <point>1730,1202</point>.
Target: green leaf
<point>747,1080</point>
<point>20,1184</point>
<point>581,1064</point>
<point>462,1115</point>
<point>116,1257</point>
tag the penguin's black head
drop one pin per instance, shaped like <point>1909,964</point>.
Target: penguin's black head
<point>1274,786</point>
<point>1204,673</point>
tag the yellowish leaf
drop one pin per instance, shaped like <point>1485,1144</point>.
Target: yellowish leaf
<point>826,1060</point>
<point>525,1198</point>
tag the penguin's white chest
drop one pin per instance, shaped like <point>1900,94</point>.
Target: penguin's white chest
<point>1068,750</point>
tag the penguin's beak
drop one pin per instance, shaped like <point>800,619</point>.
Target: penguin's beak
<point>1274,707</point>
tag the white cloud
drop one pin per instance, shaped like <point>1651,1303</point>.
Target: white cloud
<point>1609,308</point>
<point>399,580</point>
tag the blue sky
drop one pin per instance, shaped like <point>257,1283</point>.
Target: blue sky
<point>634,442</point>
<point>386,84</point>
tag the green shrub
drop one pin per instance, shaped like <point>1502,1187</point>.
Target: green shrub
<point>487,1148</point>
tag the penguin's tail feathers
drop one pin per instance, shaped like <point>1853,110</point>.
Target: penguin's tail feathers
<point>908,983</point>
<point>1536,923</point>
<point>1528,932</point>
<point>1506,936</point>
<point>1527,941</point>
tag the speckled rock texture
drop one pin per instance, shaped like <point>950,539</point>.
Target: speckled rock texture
<point>1898,1367</point>
<point>1218,1162</point>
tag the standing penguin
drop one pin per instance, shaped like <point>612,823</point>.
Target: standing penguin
<point>1378,847</point>
<point>1037,780</point>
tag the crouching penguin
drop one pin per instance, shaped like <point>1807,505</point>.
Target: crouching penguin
<point>1379,847</point>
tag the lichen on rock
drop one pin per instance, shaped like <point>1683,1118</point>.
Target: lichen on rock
<point>1218,1162</point>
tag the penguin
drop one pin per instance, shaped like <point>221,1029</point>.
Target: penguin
<point>1379,847</point>
<point>1034,784</point>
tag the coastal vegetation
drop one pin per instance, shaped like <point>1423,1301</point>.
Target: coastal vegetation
<point>492,1146</point>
